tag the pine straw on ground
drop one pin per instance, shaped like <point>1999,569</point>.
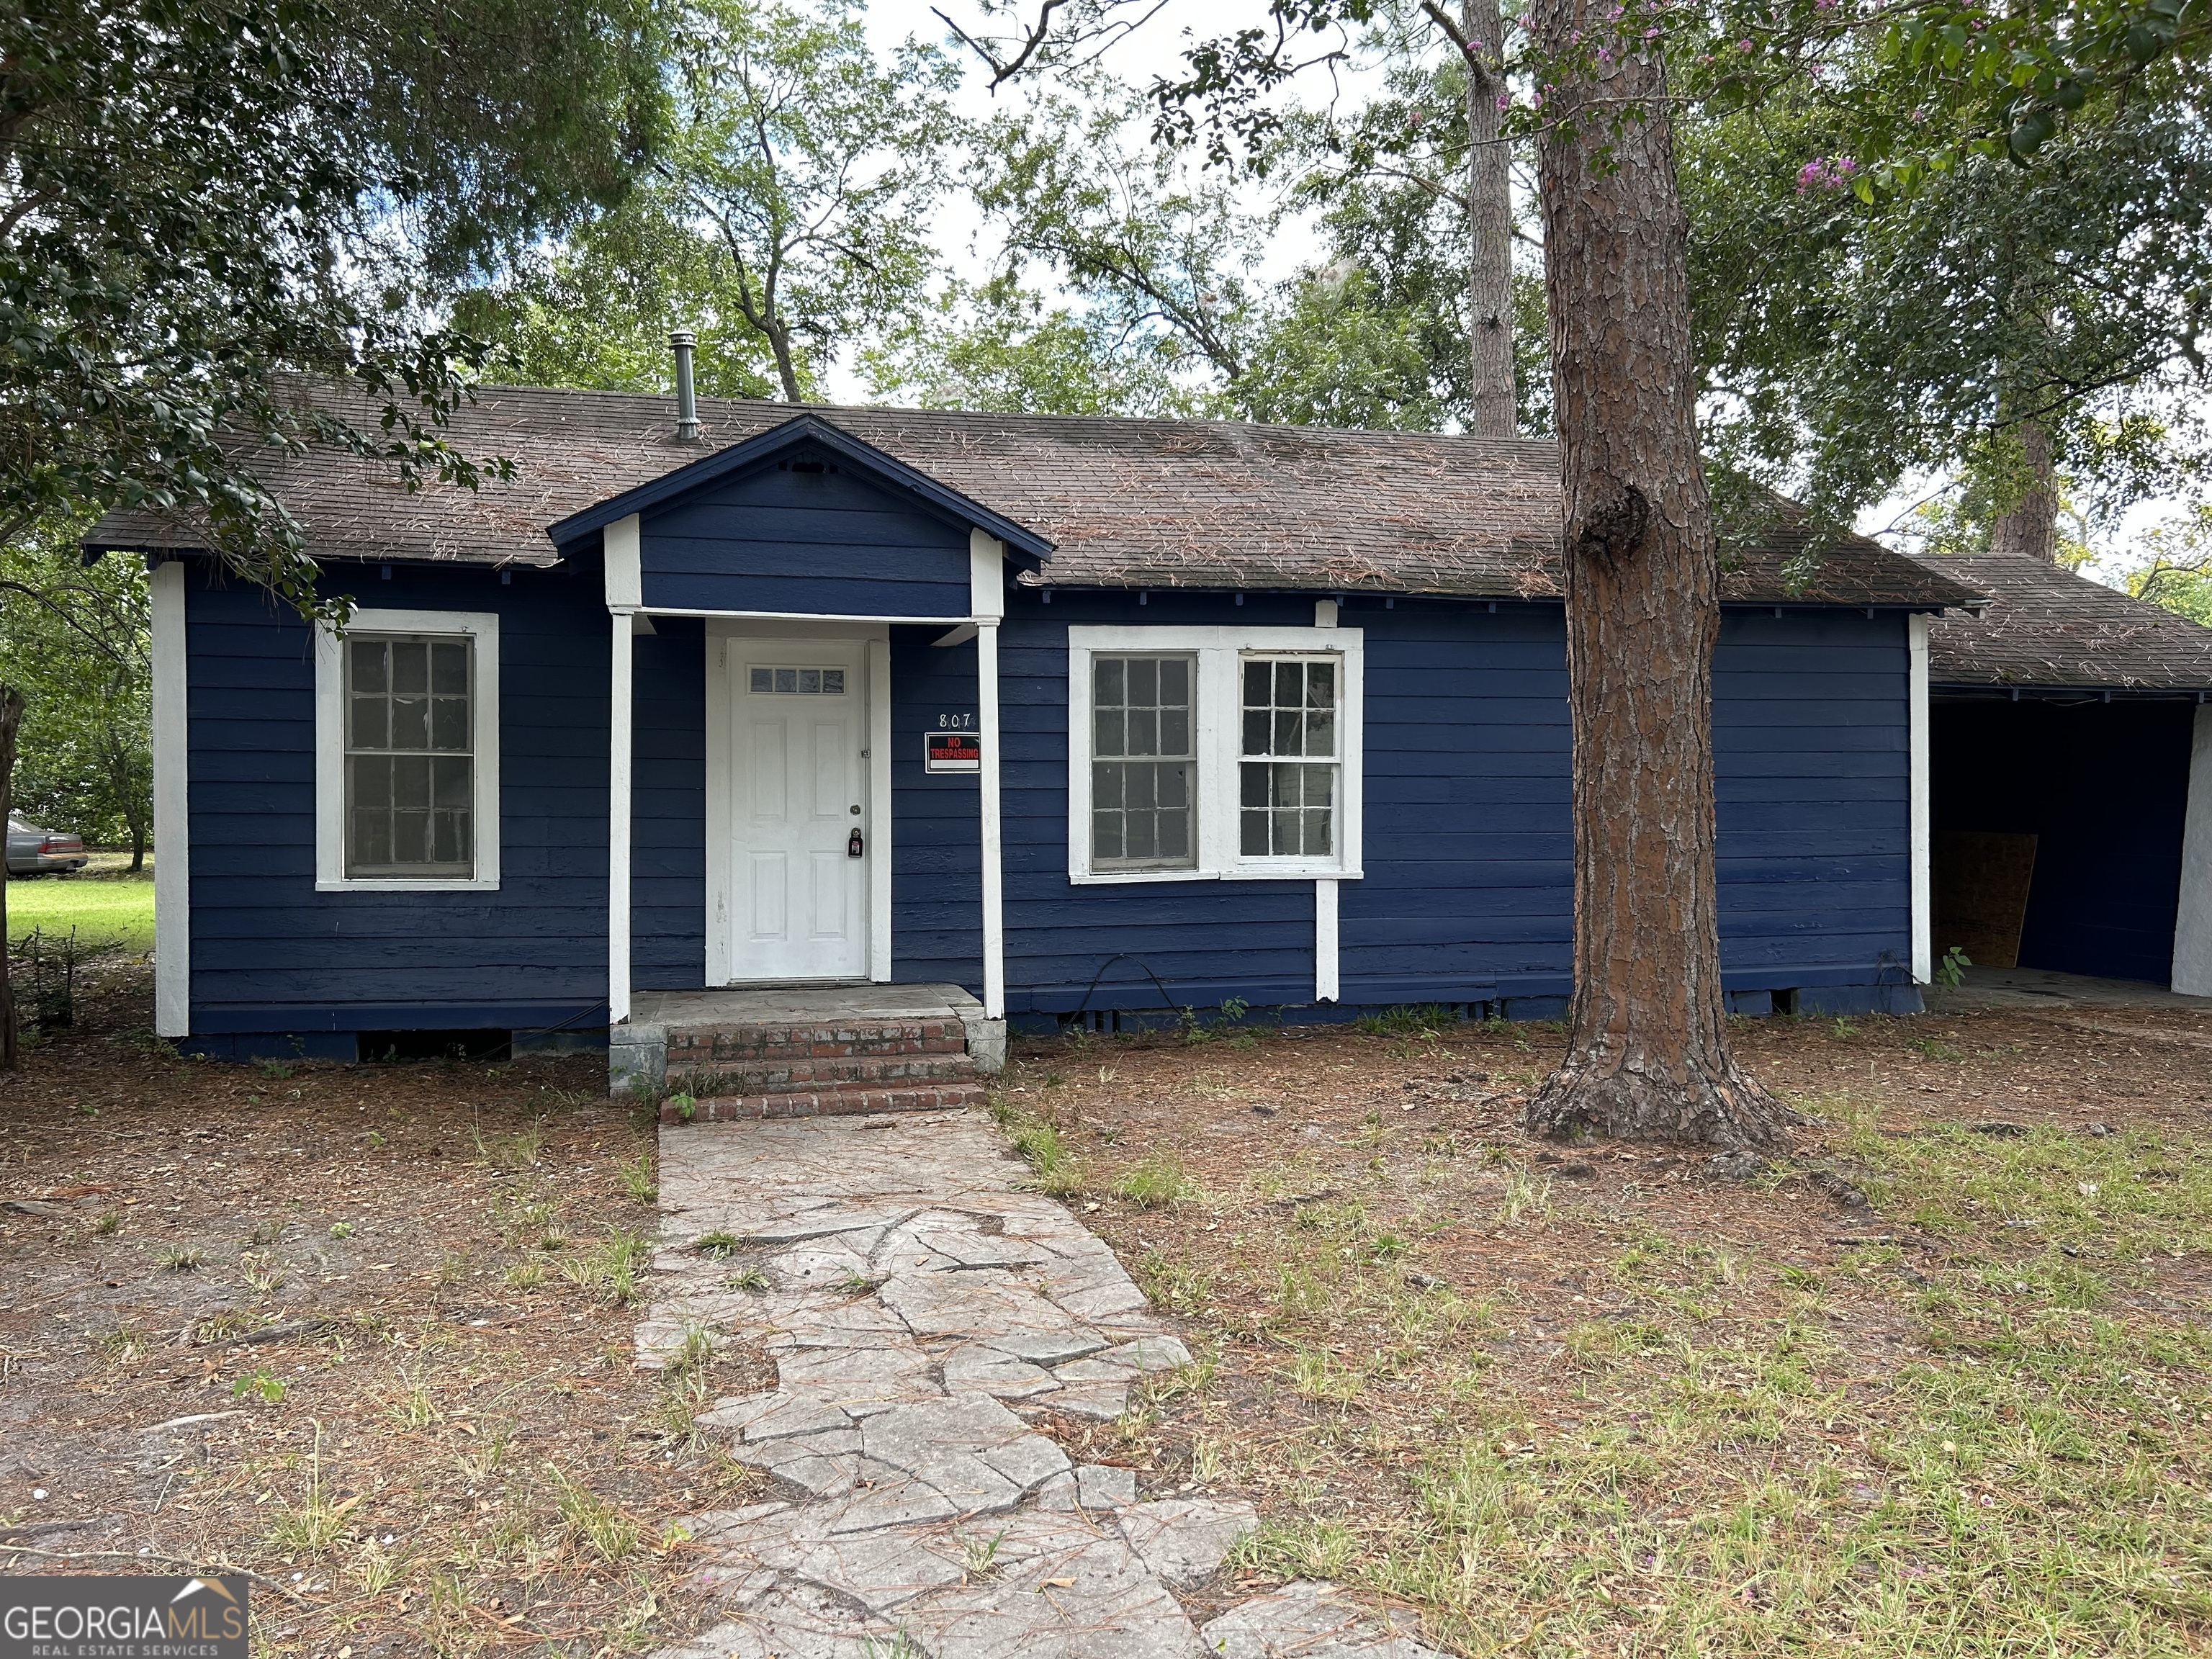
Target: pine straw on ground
<point>1935,1386</point>
<point>363,1331</point>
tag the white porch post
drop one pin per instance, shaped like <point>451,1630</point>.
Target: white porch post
<point>987,721</point>
<point>1921,841</point>
<point>986,603</point>
<point>173,845</point>
<point>618,826</point>
<point>2192,926</point>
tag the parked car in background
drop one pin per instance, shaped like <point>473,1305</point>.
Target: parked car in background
<point>35,851</point>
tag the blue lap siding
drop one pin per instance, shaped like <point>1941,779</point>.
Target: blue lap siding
<point>823,544</point>
<point>2104,788</point>
<point>302,970</point>
<point>1467,895</point>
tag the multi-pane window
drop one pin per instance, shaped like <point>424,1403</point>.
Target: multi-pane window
<point>1142,762</point>
<point>1287,782</point>
<point>801,681</point>
<point>410,756</point>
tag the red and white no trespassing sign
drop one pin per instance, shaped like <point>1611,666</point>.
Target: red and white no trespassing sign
<point>952,752</point>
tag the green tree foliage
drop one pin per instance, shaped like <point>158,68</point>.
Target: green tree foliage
<point>596,312</point>
<point>1854,342</point>
<point>788,219</point>
<point>814,166</point>
<point>74,639</point>
<point>1385,183</point>
<point>998,346</point>
<point>1164,311</point>
<point>196,193</point>
<point>1160,257</point>
<point>2171,565</point>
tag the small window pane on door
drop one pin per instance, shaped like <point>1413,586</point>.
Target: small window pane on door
<point>1286,804</point>
<point>1142,763</point>
<point>409,760</point>
<point>796,682</point>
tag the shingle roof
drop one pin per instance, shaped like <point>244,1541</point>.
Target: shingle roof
<point>2048,626</point>
<point>1126,502</point>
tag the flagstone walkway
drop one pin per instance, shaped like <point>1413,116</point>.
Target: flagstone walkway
<point>922,1311</point>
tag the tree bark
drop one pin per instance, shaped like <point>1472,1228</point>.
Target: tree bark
<point>11,721</point>
<point>1493,406</point>
<point>1648,1054</point>
<point>2030,529</point>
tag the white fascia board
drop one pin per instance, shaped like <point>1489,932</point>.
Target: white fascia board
<point>986,576</point>
<point>625,577</point>
<point>482,627</point>
<point>173,828</point>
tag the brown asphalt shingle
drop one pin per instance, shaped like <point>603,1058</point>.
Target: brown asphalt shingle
<point>2046,626</point>
<point>1133,503</point>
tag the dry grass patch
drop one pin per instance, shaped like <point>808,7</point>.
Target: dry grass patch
<point>365,1332</point>
<point>1590,1401</point>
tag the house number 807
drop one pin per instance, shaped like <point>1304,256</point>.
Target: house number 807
<point>955,722</point>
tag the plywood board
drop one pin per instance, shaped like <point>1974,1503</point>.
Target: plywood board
<point>1982,881</point>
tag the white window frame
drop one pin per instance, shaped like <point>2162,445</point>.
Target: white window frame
<point>481,627</point>
<point>1216,741</point>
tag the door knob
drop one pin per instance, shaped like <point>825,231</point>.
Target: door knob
<point>856,811</point>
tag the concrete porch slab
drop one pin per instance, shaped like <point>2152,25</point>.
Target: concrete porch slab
<point>2045,988</point>
<point>802,1005</point>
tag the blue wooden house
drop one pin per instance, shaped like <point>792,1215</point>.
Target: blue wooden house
<point>1089,719</point>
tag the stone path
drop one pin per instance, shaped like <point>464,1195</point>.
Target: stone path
<point>920,1310</point>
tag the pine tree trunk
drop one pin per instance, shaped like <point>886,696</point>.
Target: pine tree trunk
<point>11,721</point>
<point>1648,1052</point>
<point>1494,408</point>
<point>2031,528</point>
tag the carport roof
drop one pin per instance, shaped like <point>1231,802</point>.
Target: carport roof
<point>2046,627</point>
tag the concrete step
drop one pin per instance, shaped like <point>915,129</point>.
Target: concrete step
<point>735,1044</point>
<point>776,1077</point>
<point>858,1102</point>
<point>742,1042</point>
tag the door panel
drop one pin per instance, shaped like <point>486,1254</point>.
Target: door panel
<point>799,790</point>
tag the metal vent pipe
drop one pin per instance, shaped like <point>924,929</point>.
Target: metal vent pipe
<point>687,402</point>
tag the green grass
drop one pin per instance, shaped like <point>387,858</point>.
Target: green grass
<point>1993,1448</point>
<point>103,909</point>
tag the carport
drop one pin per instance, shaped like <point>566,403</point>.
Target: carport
<point>2070,779</point>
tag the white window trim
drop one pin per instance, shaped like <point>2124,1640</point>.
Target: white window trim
<point>1220,651</point>
<point>482,627</point>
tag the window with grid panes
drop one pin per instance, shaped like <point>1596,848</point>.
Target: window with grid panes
<point>1142,763</point>
<point>1287,782</point>
<point>409,759</point>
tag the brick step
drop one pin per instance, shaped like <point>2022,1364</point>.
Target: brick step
<point>834,1103</point>
<point>777,1076</point>
<point>745,1045</point>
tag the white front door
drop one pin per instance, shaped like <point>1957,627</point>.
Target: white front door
<point>799,794</point>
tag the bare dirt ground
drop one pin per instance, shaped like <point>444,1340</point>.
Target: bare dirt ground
<point>362,1332</point>
<point>1935,1385</point>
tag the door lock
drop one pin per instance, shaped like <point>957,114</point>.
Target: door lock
<point>853,845</point>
